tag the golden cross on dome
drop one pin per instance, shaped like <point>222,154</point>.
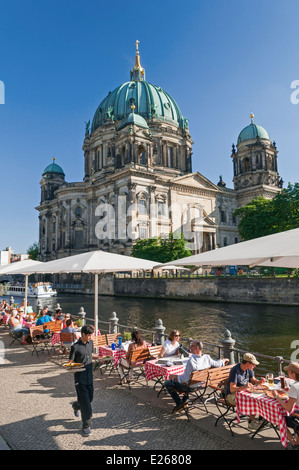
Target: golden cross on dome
<point>251,117</point>
<point>53,159</point>
<point>136,44</point>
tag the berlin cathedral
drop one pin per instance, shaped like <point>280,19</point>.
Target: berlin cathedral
<point>138,181</point>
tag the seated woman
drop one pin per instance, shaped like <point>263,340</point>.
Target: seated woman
<point>16,324</point>
<point>171,346</point>
<point>137,343</point>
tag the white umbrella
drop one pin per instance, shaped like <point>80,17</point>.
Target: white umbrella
<point>95,262</point>
<point>27,264</point>
<point>280,249</point>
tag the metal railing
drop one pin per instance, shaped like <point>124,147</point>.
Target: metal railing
<point>225,349</point>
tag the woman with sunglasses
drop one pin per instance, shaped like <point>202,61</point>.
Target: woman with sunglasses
<point>171,346</point>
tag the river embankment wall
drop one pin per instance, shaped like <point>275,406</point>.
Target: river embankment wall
<point>277,291</point>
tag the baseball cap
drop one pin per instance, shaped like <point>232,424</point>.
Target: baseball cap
<point>248,357</point>
<point>293,367</point>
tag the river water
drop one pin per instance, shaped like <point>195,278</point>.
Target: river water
<point>265,329</point>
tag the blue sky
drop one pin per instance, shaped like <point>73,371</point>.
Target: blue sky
<point>219,59</point>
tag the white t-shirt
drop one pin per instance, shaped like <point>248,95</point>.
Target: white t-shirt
<point>294,392</point>
<point>170,349</point>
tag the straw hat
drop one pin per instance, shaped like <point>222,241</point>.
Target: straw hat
<point>293,367</point>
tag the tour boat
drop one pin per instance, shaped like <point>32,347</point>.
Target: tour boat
<point>38,290</point>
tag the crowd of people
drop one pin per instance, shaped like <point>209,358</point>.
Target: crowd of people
<point>241,376</point>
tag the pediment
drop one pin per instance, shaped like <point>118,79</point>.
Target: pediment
<point>195,180</point>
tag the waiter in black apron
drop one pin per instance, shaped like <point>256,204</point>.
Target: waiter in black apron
<point>81,352</point>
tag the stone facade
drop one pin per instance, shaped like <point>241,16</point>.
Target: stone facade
<point>138,180</point>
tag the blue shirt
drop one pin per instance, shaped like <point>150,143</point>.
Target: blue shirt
<point>44,319</point>
<point>239,377</point>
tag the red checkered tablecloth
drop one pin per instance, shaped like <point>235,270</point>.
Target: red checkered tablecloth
<point>152,370</point>
<point>250,404</point>
<point>116,353</point>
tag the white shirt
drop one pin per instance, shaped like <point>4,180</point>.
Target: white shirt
<point>198,363</point>
<point>294,392</point>
<point>170,349</point>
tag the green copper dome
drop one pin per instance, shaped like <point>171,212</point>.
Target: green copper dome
<point>149,101</point>
<point>53,168</point>
<point>252,132</point>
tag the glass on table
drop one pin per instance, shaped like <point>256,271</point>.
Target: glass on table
<point>270,379</point>
<point>282,380</point>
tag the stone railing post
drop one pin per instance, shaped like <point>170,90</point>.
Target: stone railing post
<point>38,307</point>
<point>113,327</point>
<point>160,332</point>
<point>81,315</point>
<point>279,360</point>
<point>12,301</point>
<point>227,347</point>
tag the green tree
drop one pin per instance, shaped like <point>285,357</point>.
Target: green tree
<point>160,249</point>
<point>262,216</point>
<point>33,251</point>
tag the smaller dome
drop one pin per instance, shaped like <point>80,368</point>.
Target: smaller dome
<point>252,132</point>
<point>53,168</point>
<point>133,119</point>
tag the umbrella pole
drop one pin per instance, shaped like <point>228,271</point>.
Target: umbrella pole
<point>96,302</point>
<point>25,298</point>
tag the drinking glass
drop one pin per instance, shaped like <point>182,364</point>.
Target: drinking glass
<point>270,379</point>
<point>282,380</point>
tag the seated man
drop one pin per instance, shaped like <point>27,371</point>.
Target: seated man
<point>179,383</point>
<point>68,329</point>
<point>44,318</point>
<point>241,377</point>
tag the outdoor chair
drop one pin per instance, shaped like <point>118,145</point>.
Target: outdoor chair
<point>66,341</point>
<point>217,382</point>
<point>197,386</point>
<point>16,336</point>
<point>105,361</point>
<point>135,370</point>
<point>154,351</point>
<point>39,342</point>
<point>112,337</point>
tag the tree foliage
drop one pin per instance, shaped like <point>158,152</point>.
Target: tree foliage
<point>33,251</point>
<point>262,216</point>
<point>160,249</point>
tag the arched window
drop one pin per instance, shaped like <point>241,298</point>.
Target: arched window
<point>223,217</point>
<point>142,207</point>
<point>170,157</point>
<point>246,164</point>
<point>141,155</point>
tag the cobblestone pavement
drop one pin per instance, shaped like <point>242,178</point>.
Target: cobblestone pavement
<point>36,413</point>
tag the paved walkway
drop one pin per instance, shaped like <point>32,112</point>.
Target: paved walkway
<point>36,413</point>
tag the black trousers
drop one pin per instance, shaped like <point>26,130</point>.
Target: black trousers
<point>83,403</point>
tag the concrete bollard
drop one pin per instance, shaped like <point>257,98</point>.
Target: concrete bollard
<point>160,332</point>
<point>39,307</point>
<point>82,315</point>
<point>227,346</point>
<point>113,328</point>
